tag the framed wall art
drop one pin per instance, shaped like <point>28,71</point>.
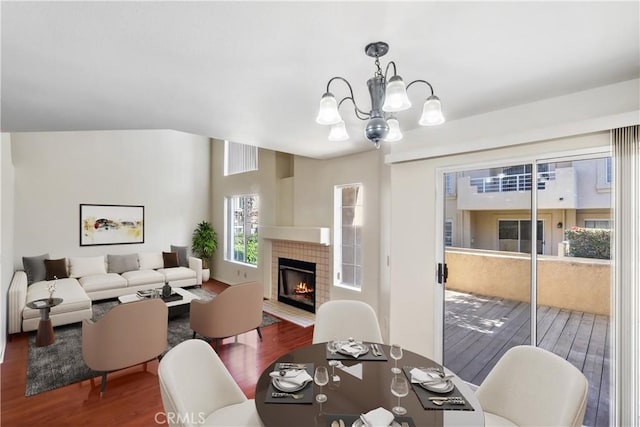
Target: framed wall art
<point>111,224</point>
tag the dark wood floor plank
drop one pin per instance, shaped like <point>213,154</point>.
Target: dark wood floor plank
<point>565,340</point>
<point>553,334</point>
<point>469,326</point>
<point>545,323</point>
<point>522,337</point>
<point>578,352</point>
<point>604,407</point>
<point>467,308</point>
<point>503,335</point>
<point>593,368</point>
<point>478,342</point>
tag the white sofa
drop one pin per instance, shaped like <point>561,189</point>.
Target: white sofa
<point>91,279</point>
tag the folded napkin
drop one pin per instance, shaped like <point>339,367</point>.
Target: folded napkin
<point>352,348</point>
<point>293,376</point>
<point>378,417</point>
<point>420,376</point>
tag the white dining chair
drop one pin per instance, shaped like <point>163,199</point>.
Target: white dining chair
<point>342,319</point>
<point>198,390</point>
<point>530,386</point>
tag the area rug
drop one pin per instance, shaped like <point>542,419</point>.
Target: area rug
<point>61,363</point>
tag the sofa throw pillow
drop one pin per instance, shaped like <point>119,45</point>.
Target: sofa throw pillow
<point>183,257</point>
<point>86,266</point>
<point>34,268</point>
<point>122,263</point>
<point>150,260</point>
<point>56,269</point>
<point>170,259</point>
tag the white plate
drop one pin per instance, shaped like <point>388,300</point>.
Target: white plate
<point>360,423</point>
<point>363,349</point>
<point>286,386</point>
<point>443,387</point>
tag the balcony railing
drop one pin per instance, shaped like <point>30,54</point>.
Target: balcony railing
<point>518,182</point>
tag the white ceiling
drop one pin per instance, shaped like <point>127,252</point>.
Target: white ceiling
<point>253,72</point>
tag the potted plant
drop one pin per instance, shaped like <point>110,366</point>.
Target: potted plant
<point>204,242</point>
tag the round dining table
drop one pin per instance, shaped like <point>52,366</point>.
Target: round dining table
<point>365,384</point>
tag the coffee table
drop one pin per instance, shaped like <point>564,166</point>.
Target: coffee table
<point>176,308</point>
<point>45,335</point>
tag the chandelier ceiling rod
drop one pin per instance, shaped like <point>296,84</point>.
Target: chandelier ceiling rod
<point>387,97</point>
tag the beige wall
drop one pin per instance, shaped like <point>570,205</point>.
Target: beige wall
<point>165,171</point>
<point>262,182</point>
<point>577,284</point>
<point>314,182</point>
<point>298,191</point>
<point>7,202</point>
<point>484,232</point>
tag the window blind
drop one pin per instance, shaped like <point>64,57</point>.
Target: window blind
<point>626,156</point>
<point>239,158</point>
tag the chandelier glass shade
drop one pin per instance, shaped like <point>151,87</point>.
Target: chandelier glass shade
<point>387,97</point>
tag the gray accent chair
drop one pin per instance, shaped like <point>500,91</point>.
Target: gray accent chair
<point>127,335</point>
<point>236,310</point>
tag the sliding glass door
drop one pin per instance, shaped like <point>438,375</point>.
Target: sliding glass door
<point>573,279</point>
<point>488,289</point>
<point>499,293</point>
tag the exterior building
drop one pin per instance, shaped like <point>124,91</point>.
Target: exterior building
<point>491,208</point>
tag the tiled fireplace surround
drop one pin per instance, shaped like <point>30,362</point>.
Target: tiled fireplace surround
<point>303,251</point>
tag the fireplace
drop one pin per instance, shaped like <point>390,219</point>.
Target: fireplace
<point>297,283</point>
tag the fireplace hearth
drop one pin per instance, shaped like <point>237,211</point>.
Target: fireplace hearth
<point>297,283</point>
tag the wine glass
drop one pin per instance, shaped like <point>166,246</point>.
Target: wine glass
<point>333,347</point>
<point>399,388</point>
<point>321,377</point>
<point>396,354</point>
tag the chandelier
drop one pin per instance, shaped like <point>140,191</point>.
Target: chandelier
<point>387,97</point>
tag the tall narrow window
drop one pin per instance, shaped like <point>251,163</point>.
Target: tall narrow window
<point>239,158</point>
<point>448,232</point>
<point>450,184</point>
<point>242,229</point>
<point>347,240</point>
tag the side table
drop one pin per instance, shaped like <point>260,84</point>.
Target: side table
<point>45,334</point>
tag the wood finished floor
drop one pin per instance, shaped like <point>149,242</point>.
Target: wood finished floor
<point>132,397</point>
<point>481,329</point>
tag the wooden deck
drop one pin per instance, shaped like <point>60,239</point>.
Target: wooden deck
<point>479,330</point>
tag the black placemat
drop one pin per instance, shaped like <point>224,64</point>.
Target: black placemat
<point>367,356</point>
<point>424,395</point>
<point>307,390</point>
<point>349,419</point>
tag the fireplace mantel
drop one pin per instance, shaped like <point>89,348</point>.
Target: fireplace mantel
<point>318,235</point>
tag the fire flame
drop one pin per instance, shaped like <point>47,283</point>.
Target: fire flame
<point>302,288</point>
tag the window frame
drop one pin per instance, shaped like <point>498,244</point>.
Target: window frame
<point>594,220</point>
<point>338,247</point>
<point>540,230</point>
<point>246,160</point>
<point>231,226</point>
<point>448,233</point>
